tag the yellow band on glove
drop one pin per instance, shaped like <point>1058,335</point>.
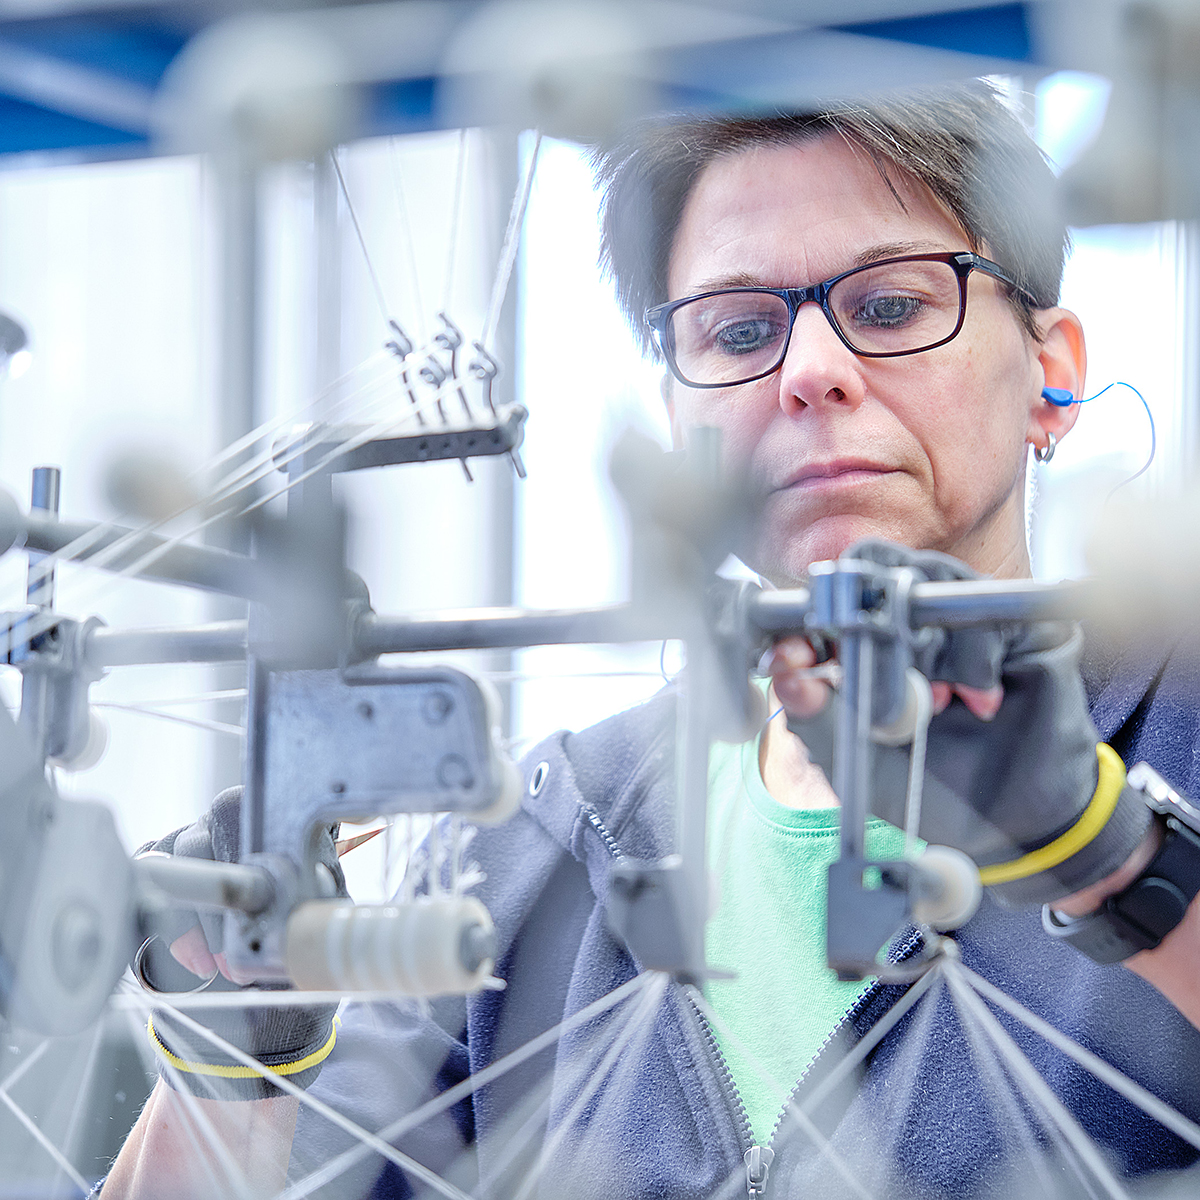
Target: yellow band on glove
<point>1093,819</point>
<point>222,1071</point>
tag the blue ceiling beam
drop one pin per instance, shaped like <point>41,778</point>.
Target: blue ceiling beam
<point>86,81</point>
<point>1000,31</point>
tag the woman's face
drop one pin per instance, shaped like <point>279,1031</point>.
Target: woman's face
<point>928,450</point>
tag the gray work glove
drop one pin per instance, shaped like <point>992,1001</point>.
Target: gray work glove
<point>293,1039</point>
<point>999,789</point>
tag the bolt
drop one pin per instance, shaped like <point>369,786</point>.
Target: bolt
<point>366,711</point>
<point>455,772</point>
<point>337,787</point>
<point>437,707</point>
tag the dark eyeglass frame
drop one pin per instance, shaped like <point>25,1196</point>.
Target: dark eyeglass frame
<point>963,262</point>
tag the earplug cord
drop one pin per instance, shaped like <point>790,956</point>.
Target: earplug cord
<point>1062,398</point>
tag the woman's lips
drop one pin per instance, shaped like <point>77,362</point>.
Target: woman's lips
<point>842,473</point>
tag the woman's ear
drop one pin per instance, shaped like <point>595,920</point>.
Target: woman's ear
<point>1062,356</point>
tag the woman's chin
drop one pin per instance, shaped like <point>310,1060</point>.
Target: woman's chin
<point>786,559</point>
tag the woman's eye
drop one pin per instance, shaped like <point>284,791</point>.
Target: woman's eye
<point>746,336</point>
<point>887,310</point>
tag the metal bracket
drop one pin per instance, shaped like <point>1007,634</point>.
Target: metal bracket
<point>650,908</point>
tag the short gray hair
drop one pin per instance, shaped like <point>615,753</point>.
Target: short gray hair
<point>961,141</point>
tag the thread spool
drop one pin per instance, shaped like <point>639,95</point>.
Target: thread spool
<point>443,946</point>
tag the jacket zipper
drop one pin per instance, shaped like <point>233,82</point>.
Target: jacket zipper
<point>610,843</point>
<point>906,950</point>
<point>757,1158</point>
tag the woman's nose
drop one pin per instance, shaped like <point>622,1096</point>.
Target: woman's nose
<point>819,369</point>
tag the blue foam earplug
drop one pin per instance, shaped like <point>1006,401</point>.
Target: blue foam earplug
<point>1059,396</point>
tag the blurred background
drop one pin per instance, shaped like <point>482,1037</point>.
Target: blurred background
<point>210,211</point>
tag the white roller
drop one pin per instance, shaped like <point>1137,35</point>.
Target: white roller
<point>918,703</point>
<point>949,891</point>
<point>93,749</point>
<point>512,782</point>
<point>429,947</point>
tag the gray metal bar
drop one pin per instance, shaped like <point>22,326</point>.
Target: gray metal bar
<point>222,641</point>
<point>477,628</point>
<point>36,693</point>
<point>850,767</point>
<point>951,605</point>
<point>210,884</point>
<point>702,683</point>
<point>484,628</point>
<point>954,605</point>
<point>44,496</point>
<point>195,566</point>
<point>988,601</point>
<point>779,612</point>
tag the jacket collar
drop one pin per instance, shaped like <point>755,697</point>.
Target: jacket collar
<point>1118,678</point>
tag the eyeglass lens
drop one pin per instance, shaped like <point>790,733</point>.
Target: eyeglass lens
<point>893,308</point>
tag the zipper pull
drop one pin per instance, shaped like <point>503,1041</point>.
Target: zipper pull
<point>758,1160</point>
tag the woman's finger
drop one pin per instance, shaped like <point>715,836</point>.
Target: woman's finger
<point>983,702</point>
<point>191,951</point>
<point>788,664</point>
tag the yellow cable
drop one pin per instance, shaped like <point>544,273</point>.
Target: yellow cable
<point>1093,819</point>
<point>240,1072</point>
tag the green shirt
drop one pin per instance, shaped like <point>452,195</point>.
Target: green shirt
<point>769,928</point>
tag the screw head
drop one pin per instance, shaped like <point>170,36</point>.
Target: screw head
<point>436,707</point>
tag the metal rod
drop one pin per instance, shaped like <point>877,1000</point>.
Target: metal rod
<point>988,601</point>
<point>202,567</point>
<point>44,496</point>
<point>850,766</point>
<point>702,681</point>
<point>211,884</point>
<point>483,628</point>
<point>950,605</point>
<point>954,605</point>
<point>221,641</point>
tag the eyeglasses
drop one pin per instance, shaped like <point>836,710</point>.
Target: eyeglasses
<point>883,310</point>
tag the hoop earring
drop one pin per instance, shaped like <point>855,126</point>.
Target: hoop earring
<point>1044,455</point>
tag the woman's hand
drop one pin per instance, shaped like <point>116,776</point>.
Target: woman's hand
<point>803,694</point>
<point>1011,759</point>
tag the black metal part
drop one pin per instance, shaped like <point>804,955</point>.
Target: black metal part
<point>649,908</point>
<point>343,448</point>
<point>868,904</point>
<point>866,608</point>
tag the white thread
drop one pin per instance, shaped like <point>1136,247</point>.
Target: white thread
<point>508,250</point>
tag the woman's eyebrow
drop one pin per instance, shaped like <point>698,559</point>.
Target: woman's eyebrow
<point>873,254</point>
<point>739,280</point>
<point>895,250</point>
